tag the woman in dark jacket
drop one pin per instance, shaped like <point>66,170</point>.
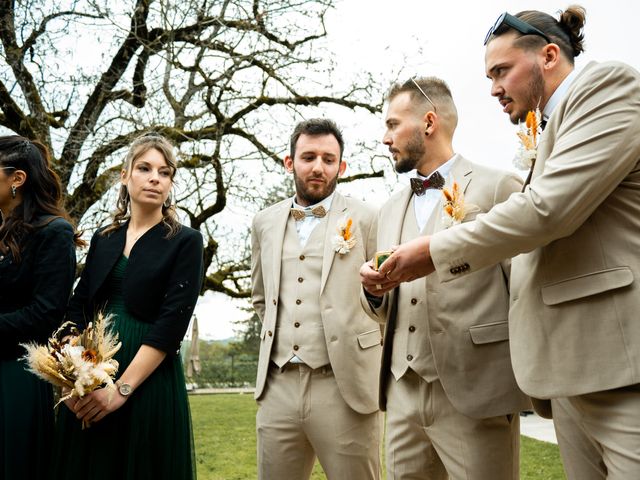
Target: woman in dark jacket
<point>37,268</point>
<point>145,269</point>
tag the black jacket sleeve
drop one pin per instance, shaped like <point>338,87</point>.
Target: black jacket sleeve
<point>51,261</point>
<point>79,311</point>
<point>182,291</point>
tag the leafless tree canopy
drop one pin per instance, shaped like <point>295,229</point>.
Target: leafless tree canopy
<point>225,80</point>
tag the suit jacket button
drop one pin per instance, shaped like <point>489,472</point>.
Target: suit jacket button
<point>298,302</point>
<point>453,270</point>
<point>274,301</point>
<point>412,328</point>
<point>381,342</point>
<point>466,266</point>
<point>301,257</point>
<point>409,357</point>
<point>414,301</point>
<point>270,333</point>
<point>296,347</point>
<point>297,324</point>
<point>300,279</point>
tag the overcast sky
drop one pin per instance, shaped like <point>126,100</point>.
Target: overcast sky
<point>444,39</point>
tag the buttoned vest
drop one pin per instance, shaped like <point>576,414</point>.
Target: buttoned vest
<point>411,346</point>
<point>299,327</point>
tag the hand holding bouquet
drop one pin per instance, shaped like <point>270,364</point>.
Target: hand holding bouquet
<point>80,362</point>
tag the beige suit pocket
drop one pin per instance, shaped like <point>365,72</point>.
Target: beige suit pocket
<point>586,285</point>
<point>369,339</point>
<point>489,332</point>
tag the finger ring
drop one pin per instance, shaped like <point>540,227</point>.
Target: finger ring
<point>378,287</point>
<point>387,275</point>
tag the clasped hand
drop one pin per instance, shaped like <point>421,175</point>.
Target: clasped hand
<point>409,261</point>
<point>94,406</point>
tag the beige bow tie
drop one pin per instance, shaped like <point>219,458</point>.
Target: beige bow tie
<point>299,214</point>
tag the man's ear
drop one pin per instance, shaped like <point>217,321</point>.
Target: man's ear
<point>429,120</point>
<point>288,164</point>
<point>342,167</point>
<point>551,54</point>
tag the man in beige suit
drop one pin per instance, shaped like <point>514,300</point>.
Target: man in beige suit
<point>446,380</point>
<point>575,292</point>
<point>317,370</point>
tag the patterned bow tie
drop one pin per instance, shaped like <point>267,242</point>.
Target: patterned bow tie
<point>420,186</point>
<point>299,214</point>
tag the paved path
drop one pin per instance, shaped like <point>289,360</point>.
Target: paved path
<point>537,427</point>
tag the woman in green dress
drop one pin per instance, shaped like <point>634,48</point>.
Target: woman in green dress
<point>146,270</point>
<point>37,268</point>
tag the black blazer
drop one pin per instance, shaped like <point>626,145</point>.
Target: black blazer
<point>161,283</point>
<point>34,292</point>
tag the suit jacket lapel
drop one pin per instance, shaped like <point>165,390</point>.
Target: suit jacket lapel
<point>461,172</point>
<point>280,218</point>
<point>396,219</point>
<point>336,213</point>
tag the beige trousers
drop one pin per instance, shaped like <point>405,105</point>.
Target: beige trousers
<point>429,439</point>
<point>302,414</point>
<point>599,434</point>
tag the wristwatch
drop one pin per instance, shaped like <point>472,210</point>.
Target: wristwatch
<point>124,388</point>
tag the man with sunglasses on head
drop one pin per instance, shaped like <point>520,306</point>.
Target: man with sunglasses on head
<point>446,380</point>
<point>575,288</point>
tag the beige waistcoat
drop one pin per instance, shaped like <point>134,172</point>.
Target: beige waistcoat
<point>411,344</point>
<point>299,328</point>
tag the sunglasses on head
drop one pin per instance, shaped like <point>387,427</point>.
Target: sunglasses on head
<point>413,79</point>
<point>514,22</point>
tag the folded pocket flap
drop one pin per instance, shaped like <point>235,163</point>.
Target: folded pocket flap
<point>586,285</point>
<point>489,332</point>
<point>369,339</point>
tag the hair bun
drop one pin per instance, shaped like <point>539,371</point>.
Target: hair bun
<point>572,21</point>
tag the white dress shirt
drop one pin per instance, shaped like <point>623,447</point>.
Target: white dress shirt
<point>308,223</point>
<point>559,94</point>
<point>424,204</point>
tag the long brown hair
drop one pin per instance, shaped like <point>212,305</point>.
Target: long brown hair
<point>41,192</point>
<point>139,147</point>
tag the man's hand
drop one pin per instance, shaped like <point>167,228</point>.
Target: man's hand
<point>374,282</point>
<point>409,261</point>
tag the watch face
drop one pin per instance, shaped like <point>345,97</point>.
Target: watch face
<point>124,389</point>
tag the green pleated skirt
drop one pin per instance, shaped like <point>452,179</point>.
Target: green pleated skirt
<point>26,423</point>
<point>150,436</point>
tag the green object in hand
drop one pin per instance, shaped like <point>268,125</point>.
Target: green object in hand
<point>379,258</point>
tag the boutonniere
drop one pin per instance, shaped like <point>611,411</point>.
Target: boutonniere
<point>528,134</point>
<point>455,209</point>
<point>344,241</point>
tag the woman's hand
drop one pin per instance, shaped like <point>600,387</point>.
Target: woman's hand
<point>94,406</point>
<point>69,402</point>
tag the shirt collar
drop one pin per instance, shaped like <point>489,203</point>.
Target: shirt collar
<point>326,203</point>
<point>559,94</point>
<point>443,169</point>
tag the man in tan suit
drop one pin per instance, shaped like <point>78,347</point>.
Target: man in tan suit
<point>575,293</point>
<point>317,370</point>
<point>446,380</point>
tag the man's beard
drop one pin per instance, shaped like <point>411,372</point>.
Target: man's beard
<point>306,195</point>
<point>535,89</point>
<point>414,151</point>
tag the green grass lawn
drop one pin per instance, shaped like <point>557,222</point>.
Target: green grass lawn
<point>224,429</point>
